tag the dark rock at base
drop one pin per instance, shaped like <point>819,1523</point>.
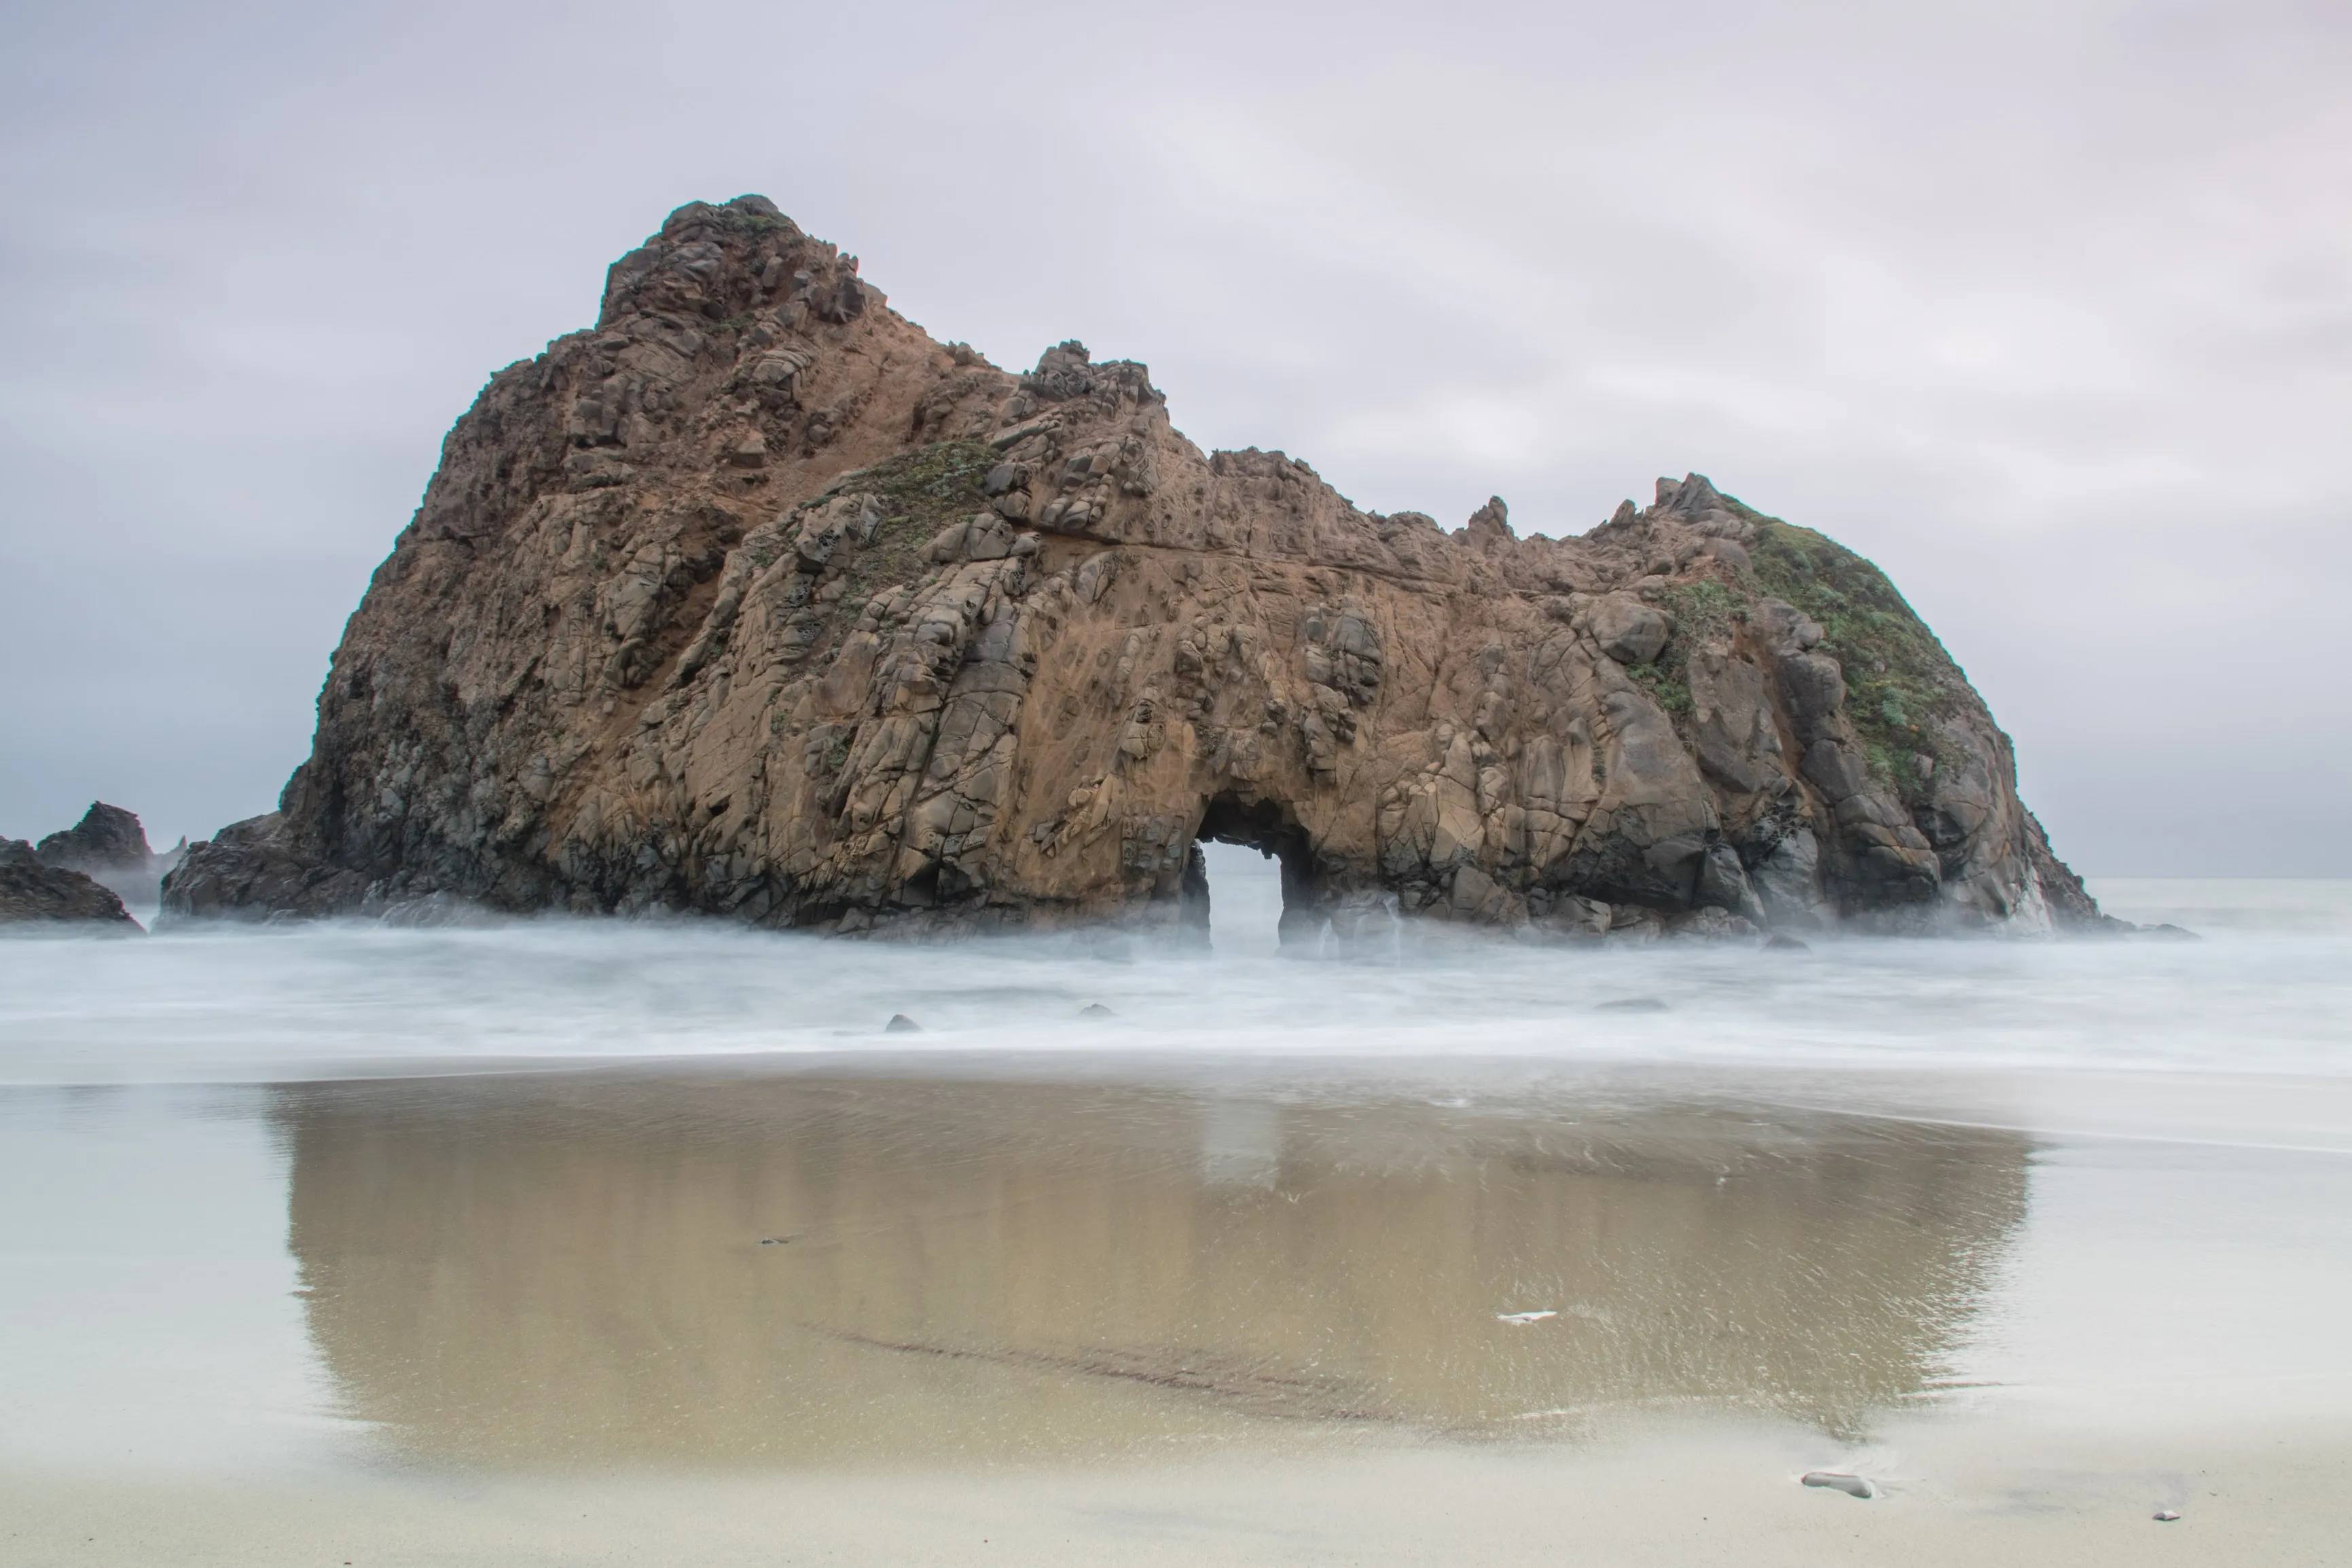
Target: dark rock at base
<point>2168,932</point>
<point>33,893</point>
<point>249,871</point>
<point>901,1024</point>
<point>1711,926</point>
<point>2072,907</point>
<point>1782,942</point>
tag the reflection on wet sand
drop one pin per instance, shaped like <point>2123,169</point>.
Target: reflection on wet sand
<point>798,1267</point>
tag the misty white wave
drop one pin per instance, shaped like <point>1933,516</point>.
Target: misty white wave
<point>245,1003</point>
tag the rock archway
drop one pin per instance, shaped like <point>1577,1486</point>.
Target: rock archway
<point>755,600</point>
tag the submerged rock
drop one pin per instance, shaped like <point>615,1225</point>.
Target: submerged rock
<point>33,893</point>
<point>1838,1480</point>
<point>754,600</point>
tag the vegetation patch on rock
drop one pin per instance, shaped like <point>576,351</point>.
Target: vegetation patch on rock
<point>1702,613</point>
<point>1900,681</point>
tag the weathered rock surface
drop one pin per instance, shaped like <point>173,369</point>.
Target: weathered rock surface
<point>756,600</point>
<point>107,839</point>
<point>33,893</point>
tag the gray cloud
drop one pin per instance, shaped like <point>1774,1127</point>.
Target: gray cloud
<point>2046,308</point>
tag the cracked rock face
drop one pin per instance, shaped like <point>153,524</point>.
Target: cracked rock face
<point>755,600</point>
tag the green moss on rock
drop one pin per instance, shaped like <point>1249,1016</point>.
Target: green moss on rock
<point>941,481</point>
<point>921,492</point>
<point>1666,681</point>
<point>1900,681</point>
<point>1701,613</point>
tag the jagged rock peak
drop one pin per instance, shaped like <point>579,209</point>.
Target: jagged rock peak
<point>755,600</point>
<point>107,839</point>
<point>1490,524</point>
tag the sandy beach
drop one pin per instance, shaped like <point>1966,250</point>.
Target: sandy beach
<point>931,1309</point>
<point>1710,1496</point>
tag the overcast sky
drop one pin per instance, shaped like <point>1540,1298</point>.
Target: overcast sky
<point>2047,307</point>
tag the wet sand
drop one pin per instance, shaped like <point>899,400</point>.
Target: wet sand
<point>1700,1496</point>
<point>932,1309</point>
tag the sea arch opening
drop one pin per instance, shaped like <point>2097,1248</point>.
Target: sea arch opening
<point>1271,830</point>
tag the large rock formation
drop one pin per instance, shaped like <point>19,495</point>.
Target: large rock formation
<point>36,894</point>
<point>756,600</point>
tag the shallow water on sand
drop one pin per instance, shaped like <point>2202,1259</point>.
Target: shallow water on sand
<point>434,1227</point>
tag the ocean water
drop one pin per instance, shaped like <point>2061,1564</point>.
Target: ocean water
<point>2266,988</point>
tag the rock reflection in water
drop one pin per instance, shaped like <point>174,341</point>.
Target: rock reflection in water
<point>791,1268</point>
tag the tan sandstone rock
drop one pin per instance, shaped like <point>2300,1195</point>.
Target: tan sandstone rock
<point>756,600</point>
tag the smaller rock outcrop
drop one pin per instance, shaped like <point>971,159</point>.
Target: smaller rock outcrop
<point>109,846</point>
<point>107,839</point>
<point>33,893</point>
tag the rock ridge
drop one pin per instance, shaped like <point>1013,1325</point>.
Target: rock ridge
<point>755,600</point>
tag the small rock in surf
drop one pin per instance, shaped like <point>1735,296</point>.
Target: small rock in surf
<point>1838,1480</point>
<point>901,1024</point>
<point>1635,1005</point>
